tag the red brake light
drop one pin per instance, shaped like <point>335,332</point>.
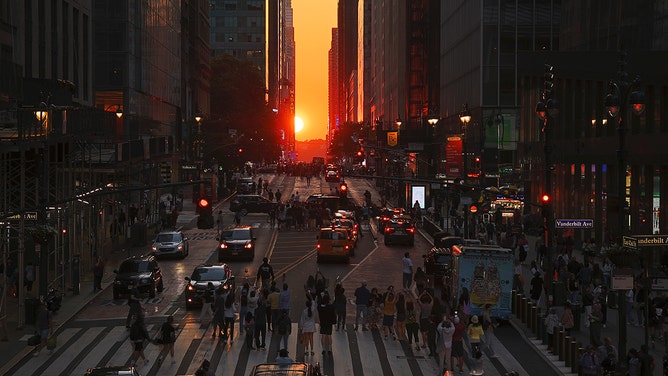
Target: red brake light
<point>411,230</point>
<point>317,245</point>
<point>388,229</point>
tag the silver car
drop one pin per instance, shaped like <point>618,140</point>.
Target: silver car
<point>170,243</point>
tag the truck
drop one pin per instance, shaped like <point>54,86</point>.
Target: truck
<point>486,271</point>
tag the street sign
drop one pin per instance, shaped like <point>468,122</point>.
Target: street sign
<point>651,240</point>
<point>574,223</point>
<point>659,284</point>
<point>392,138</point>
<point>629,242</point>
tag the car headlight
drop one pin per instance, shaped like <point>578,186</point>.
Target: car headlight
<point>180,247</point>
<point>190,288</point>
<point>223,245</point>
<point>248,245</point>
<point>154,248</point>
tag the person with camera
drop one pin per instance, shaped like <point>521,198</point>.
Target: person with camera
<point>444,333</point>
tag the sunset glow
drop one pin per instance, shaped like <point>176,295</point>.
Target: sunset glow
<point>299,124</point>
<point>313,21</point>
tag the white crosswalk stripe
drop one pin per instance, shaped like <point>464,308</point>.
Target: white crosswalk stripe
<point>81,348</point>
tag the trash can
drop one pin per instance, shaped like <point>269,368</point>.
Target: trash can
<point>31,306</point>
<point>558,293</point>
<point>138,234</point>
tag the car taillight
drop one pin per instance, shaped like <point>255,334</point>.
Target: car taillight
<point>411,230</point>
<point>388,229</point>
<point>317,245</point>
<point>347,247</point>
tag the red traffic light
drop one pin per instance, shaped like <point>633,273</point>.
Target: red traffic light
<point>545,198</point>
<point>477,159</point>
<point>359,153</point>
<point>203,203</point>
<point>473,209</point>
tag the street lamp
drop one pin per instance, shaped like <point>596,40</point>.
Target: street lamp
<point>465,118</point>
<point>621,93</point>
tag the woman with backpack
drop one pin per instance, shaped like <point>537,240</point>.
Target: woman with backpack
<point>327,318</point>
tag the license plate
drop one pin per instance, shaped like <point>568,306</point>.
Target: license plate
<point>235,253</point>
<point>337,249</point>
<point>400,232</point>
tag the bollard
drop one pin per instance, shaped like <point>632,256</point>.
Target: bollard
<point>523,312</point>
<point>567,352</point>
<point>579,350</point>
<point>561,345</point>
<point>516,299</point>
<point>532,318</point>
<point>527,310</point>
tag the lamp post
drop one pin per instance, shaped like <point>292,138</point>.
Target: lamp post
<point>621,93</point>
<point>465,118</point>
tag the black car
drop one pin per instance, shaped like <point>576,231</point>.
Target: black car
<point>219,275</point>
<point>399,229</point>
<point>171,243</point>
<point>140,271</point>
<point>251,204</point>
<point>245,185</point>
<point>237,242</point>
<point>438,263</point>
<point>386,214</point>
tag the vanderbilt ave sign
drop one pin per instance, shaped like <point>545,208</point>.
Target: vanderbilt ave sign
<point>636,241</point>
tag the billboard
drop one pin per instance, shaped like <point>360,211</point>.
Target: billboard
<point>453,156</point>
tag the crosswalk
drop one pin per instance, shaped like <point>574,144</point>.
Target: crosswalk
<point>97,344</point>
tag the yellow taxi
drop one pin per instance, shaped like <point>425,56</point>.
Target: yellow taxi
<point>333,244</point>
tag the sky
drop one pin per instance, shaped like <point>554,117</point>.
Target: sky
<point>313,21</point>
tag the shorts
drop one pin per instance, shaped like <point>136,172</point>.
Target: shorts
<point>388,320</point>
<point>326,329</point>
<point>457,349</point>
<point>425,324</point>
<point>44,333</point>
<point>139,345</point>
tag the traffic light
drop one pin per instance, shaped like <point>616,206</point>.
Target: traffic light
<point>546,201</point>
<point>343,190</point>
<point>220,167</point>
<point>473,209</point>
<point>205,211</point>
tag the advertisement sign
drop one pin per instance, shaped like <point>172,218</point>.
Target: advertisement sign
<point>489,276</point>
<point>418,194</point>
<point>453,156</point>
<point>392,138</point>
<point>503,134</point>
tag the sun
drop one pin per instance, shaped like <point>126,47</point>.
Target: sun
<point>299,124</point>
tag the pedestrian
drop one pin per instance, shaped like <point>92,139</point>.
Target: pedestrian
<point>260,334</point>
<point>270,195</point>
<point>634,363</point>
<point>589,362</point>
<point>458,344</point>
<point>412,325</point>
<point>420,278</point>
<point>646,361</point>
<point>400,309</point>
<point>231,309</point>
<point>265,273</point>
<point>326,318</point>
<point>567,319</point>
<point>237,218</point>
<point>407,270</point>
<point>98,273</point>
<point>607,354</point>
<point>139,337</point>
<point>536,288</point>
<point>220,225</point>
<point>551,323</point>
<point>518,283</point>
<point>218,320</point>
<point>283,328</point>
<point>587,303</point>
<point>283,357</point>
<point>595,325</point>
<point>168,337</point>
<point>475,333</point>
<point>389,310</point>
<point>628,300</point>
<point>340,307</point>
<point>606,268</point>
<point>362,296</point>
<point>204,369</point>
<point>135,310</point>
<point>278,195</point>
<point>243,305</point>
<point>249,329</point>
<point>307,326</point>
<point>426,302</point>
<point>374,309</point>
<point>284,299</point>
<point>445,330</point>
<point>207,302</point>
<point>488,326</point>
<point>272,306</point>
<point>44,325</point>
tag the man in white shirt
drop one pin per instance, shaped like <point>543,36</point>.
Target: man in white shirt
<point>407,271</point>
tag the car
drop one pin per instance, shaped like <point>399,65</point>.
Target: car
<point>284,369</point>
<point>219,275</point>
<point>237,242</point>
<point>348,224</point>
<point>170,243</point>
<point>140,271</point>
<point>245,185</point>
<point>333,243</point>
<point>270,168</point>
<point>386,214</point>
<point>438,263</point>
<point>113,371</point>
<point>399,229</point>
<point>332,174</point>
<point>251,204</point>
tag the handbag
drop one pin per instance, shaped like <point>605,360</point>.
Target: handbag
<point>34,340</point>
<point>52,342</point>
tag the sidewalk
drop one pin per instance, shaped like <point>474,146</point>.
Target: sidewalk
<point>13,343</point>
